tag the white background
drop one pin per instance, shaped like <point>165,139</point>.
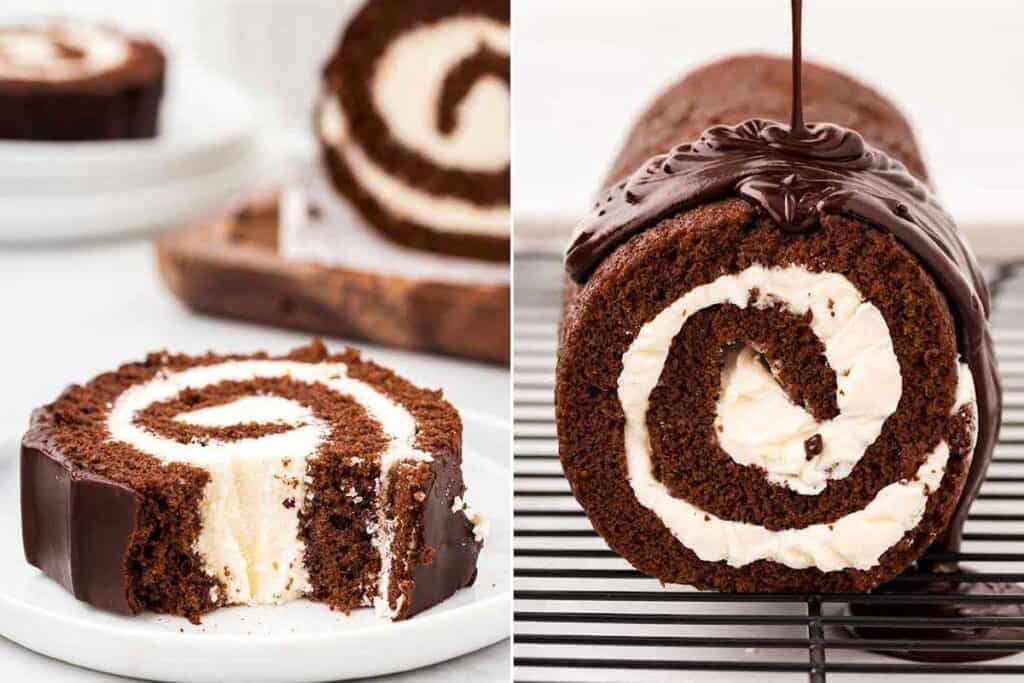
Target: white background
<point>583,69</point>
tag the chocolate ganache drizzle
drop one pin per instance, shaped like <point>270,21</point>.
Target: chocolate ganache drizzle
<point>794,174</point>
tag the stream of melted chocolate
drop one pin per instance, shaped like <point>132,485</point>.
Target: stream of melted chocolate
<point>795,174</point>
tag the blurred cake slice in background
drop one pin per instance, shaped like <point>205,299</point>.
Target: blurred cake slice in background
<point>69,80</point>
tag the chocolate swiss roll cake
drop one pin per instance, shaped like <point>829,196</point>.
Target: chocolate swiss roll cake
<point>181,484</point>
<point>77,81</point>
<point>414,123</point>
<point>775,371</point>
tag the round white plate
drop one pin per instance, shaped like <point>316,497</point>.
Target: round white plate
<point>96,213</point>
<point>204,122</point>
<point>208,150</point>
<point>297,642</point>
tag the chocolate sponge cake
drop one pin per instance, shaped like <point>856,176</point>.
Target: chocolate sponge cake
<point>414,123</point>
<point>775,371</point>
<point>77,81</point>
<point>182,484</point>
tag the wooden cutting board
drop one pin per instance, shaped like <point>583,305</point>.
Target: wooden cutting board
<point>231,267</point>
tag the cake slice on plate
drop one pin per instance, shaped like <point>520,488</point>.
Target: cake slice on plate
<point>181,484</point>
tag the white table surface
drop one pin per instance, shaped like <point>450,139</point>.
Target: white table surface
<point>73,311</point>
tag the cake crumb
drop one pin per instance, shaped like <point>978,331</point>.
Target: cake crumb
<point>813,446</point>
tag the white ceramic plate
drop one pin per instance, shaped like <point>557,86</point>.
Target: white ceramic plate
<point>297,642</point>
<point>204,122</point>
<point>208,150</point>
<point>95,213</point>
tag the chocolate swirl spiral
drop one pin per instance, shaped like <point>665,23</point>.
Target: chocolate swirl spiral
<point>370,42</point>
<point>485,62</point>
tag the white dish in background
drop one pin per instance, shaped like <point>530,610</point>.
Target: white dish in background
<point>297,642</point>
<point>204,121</point>
<point>209,149</point>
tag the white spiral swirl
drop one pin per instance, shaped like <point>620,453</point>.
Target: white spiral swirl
<point>445,214</point>
<point>759,425</point>
<point>249,539</point>
<point>407,88</point>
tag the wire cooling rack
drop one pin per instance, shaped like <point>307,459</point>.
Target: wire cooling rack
<point>583,614</point>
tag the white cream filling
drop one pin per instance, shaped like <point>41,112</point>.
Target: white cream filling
<point>859,349</point>
<point>249,538</point>
<point>407,85</point>
<point>32,53</point>
<point>256,409</point>
<point>437,212</point>
<point>757,423</point>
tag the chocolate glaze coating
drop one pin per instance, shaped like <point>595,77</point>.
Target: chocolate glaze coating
<point>77,526</point>
<point>759,87</point>
<point>944,609</point>
<point>453,562</point>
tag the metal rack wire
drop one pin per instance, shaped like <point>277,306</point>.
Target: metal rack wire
<point>583,614</point>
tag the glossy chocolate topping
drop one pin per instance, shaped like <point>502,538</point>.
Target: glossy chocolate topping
<point>794,174</point>
<point>981,606</point>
